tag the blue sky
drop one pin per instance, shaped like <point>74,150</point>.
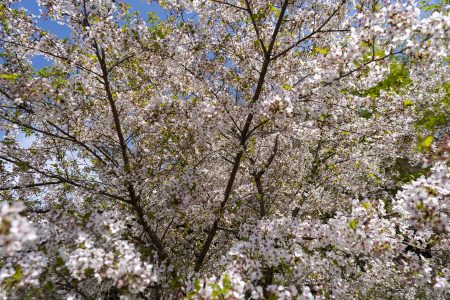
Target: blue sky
<point>142,6</point>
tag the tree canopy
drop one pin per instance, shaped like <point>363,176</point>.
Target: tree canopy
<point>226,149</point>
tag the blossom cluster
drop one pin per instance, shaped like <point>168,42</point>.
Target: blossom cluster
<point>15,231</point>
<point>233,149</point>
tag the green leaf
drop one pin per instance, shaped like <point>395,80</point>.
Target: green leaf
<point>407,102</point>
<point>49,286</point>
<point>92,57</point>
<point>352,224</point>
<point>9,76</point>
<point>28,132</point>
<point>226,283</point>
<point>24,166</point>
<point>273,296</point>
<point>8,142</point>
<point>397,78</point>
<point>197,284</point>
<point>323,117</point>
<point>366,205</point>
<point>365,113</point>
<point>15,278</point>
<point>432,119</point>
<point>160,33</point>
<point>425,144</point>
<point>59,262</point>
<point>427,141</point>
<point>374,177</point>
<point>420,206</point>
<point>18,274</point>
<point>320,50</point>
<point>287,87</point>
<point>275,10</point>
<point>89,273</point>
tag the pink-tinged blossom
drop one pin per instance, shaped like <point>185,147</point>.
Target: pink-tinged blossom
<point>235,149</point>
<point>16,231</point>
<point>424,203</point>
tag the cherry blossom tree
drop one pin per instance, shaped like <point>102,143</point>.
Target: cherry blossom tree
<point>234,149</point>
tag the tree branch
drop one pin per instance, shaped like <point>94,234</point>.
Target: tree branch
<point>296,44</point>
<point>244,136</point>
